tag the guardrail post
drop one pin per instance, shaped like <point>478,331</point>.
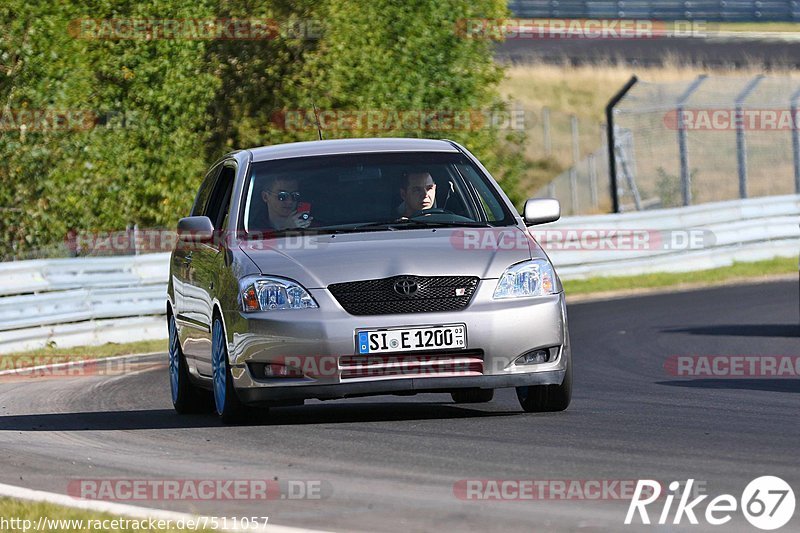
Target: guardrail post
<point>612,156</point>
<point>741,142</point>
<point>796,139</point>
<point>683,147</point>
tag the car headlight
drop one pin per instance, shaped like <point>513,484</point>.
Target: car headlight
<point>529,278</point>
<point>270,294</point>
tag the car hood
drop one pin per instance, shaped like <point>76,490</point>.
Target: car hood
<point>320,260</point>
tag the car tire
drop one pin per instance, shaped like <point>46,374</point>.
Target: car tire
<point>186,397</point>
<point>547,398</point>
<point>227,404</point>
<point>472,395</point>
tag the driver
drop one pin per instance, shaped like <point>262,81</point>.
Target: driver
<point>418,192</point>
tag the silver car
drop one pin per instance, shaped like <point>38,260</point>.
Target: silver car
<point>344,268</point>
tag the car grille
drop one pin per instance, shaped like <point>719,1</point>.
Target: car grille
<point>416,365</point>
<point>379,297</point>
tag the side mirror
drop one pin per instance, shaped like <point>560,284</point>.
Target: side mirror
<point>541,211</point>
<point>195,229</point>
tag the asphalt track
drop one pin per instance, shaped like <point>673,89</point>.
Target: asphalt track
<point>390,463</point>
<point>717,52</point>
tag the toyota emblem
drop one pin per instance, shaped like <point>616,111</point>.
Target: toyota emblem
<point>405,286</point>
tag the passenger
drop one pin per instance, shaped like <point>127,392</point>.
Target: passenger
<point>280,194</point>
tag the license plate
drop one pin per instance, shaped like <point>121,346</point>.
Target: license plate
<point>412,339</point>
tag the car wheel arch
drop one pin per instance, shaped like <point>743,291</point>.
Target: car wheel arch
<point>216,312</point>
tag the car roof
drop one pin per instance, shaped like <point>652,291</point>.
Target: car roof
<point>349,146</point>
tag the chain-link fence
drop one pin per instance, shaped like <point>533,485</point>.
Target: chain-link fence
<point>584,188</point>
<point>705,140</point>
<point>559,143</point>
<point>702,140</point>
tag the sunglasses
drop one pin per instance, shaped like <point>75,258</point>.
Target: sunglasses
<point>284,195</point>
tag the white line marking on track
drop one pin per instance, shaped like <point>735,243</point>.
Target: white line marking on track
<point>22,493</point>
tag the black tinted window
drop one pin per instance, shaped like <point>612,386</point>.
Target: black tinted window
<point>220,198</point>
<point>370,188</point>
<point>201,201</point>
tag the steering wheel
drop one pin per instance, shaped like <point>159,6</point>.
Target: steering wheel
<point>434,211</point>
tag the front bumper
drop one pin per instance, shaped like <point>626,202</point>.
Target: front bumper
<point>498,330</point>
<point>275,394</point>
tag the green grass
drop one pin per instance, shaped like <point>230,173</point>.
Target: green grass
<point>787,27</point>
<point>35,357</point>
<point>32,511</point>
<point>714,276</point>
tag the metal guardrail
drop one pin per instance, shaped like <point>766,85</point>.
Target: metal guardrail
<point>91,301</point>
<point>737,230</point>
<point>711,10</point>
<point>46,275</point>
<point>82,301</point>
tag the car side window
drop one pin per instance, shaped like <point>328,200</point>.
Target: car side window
<point>219,202</point>
<point>488,201</point>
<point>201,201</point>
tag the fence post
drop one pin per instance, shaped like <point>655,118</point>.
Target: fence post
<point>548,146</point>
<point>796,140</point>
<point>548,143</point>
<point>593,181</point>
<point>602,156</point>
<point>683,146</point>
<point>612,156</point>
<point>573,172</point>
<point>741,142</point>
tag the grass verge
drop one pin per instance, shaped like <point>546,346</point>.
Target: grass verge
<point>20,515</point>
<point>54,355</point>
<point>715,276</point>
<point>782,27</point>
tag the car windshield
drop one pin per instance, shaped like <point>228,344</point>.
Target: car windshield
<point>370,192</point>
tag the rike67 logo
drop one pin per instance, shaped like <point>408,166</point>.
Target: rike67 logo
<point>767,502</point>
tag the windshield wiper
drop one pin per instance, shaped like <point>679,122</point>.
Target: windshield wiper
<point>413,223</point>
<point>273,233</point>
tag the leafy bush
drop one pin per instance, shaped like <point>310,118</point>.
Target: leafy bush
<point>166,109</point>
